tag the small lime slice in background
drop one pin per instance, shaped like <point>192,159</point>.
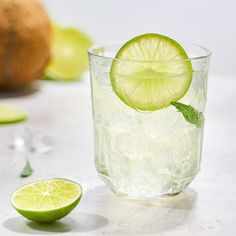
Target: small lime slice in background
<point>151,71</point>
<point>47,200</point>
<point>69,54</point>
<point>11,114</point>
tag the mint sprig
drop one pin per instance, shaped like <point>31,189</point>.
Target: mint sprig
<point>27,171</point>
<point>190,114</point>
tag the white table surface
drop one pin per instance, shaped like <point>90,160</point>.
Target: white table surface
<point>208,206</point>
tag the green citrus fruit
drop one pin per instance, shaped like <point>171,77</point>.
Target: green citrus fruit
<point>47,200</point>
<point>69,54</point>
<point>11,114</point>
<point>150,71</point>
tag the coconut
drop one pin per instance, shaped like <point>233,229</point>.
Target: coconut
<point>25,37</point>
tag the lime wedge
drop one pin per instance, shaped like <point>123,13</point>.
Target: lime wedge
<point>151,71</point>
<point>69,54</point>
<point>10,114</point>
<point>47,200</point>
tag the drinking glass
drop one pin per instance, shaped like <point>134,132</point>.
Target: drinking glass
<point>146,155</point>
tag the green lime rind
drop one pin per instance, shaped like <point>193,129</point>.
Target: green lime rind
<point>150,71</point>
<point>62,79</point>
<point>69,54</point>
<point>21,198</point>
<point>11,114</point>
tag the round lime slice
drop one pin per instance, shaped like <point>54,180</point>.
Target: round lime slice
<point>151,71</point>
<point>47,200</point>
<point>69,54</point>
<point>11,114</point>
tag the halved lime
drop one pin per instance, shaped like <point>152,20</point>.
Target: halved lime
<point>151,71</point>
<point>69,54</point>
<point>11,114</point>
<point>47,200</point>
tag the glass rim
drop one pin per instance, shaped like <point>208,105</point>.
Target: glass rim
<point>207,53</point>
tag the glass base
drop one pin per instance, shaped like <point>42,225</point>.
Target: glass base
<point>147,195</point>
<point>167,196</point>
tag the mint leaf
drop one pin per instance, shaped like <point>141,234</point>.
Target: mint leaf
<point>190,114</point>
<point>27,171</point>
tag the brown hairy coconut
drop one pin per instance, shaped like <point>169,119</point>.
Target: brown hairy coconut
<point>25,37</point>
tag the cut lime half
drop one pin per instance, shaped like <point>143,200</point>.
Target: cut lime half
<point>69,54</point>
<point>47,200</point>
<point>150,71</point>
<point>11,114</point>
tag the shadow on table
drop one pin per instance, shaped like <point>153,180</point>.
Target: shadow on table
<point>126,217</point>
<point>134,217</point>
<point>20,93</point>
<point>81,222</point>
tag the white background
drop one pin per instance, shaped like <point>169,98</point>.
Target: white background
<point>210,23</point>
<point>208,206</point>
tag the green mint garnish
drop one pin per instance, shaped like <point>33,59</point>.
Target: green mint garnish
<point>190,114</point>
<point>27,171</point>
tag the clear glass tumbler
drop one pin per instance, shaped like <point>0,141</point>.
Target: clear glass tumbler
<point>146,155</point>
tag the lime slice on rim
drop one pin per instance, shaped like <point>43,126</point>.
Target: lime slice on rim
<point>47,200</point>
<point>69,54</point>
<point>151,71</point>
<point>10,114</point>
